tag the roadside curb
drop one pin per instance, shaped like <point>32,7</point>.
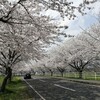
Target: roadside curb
<point>85,81</point>
<point>91,82</point>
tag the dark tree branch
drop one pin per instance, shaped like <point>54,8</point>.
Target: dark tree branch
<point>3,62</point>
<point>16,59</point>
<point>3,55</point>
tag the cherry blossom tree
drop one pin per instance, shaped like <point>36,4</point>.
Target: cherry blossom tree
<point>50,68</point>
<point>22,35</point>
<point>49,65</point>
<point>68,8</point>
<point>82,51</point>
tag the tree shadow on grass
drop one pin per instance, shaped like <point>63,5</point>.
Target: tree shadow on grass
<point>16,82</point>
<point>7,91</point>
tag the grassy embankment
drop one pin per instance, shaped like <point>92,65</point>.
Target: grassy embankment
<point>16,90</point>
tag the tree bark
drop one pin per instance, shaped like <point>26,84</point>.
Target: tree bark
<point>43,73</point>
<point>51,73</point>
<point>10,75</point>
<point>7,77</point>
<point>3,86</point>
<point>80,74</point>
<point>34,73</point>
<point>62,74</point>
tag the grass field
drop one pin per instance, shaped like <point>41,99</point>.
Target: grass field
<point>16,90</point>
<point>86,75</point>
<point>75,75</point>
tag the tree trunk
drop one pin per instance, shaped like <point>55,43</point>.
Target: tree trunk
<point>6,72</point>
<point>43,73</point>
<point>51,73</point>
<point>10,75</point>
<point>7,77</point>
<point>62,74</point>
<point>3,86</point>
<point>34,73</point>
<point>80,74</point>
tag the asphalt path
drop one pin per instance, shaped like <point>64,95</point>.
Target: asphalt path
<point>60,89</point>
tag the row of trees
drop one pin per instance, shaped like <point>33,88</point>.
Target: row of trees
<point>79,53</point>
<point>23,32</point>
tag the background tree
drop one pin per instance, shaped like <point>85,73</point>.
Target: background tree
<point>82,51</point>
<point>42,70</point>
<point>61,70</point>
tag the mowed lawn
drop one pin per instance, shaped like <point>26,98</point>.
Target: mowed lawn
<point>16,90</point>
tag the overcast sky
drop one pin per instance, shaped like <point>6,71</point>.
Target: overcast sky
<point>81,21</point>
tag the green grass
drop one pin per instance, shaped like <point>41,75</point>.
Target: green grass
<point>16,90</point>
<point>1,79</point>
<point>74,75</point>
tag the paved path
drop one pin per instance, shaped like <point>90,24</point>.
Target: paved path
<point>59,89</point>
